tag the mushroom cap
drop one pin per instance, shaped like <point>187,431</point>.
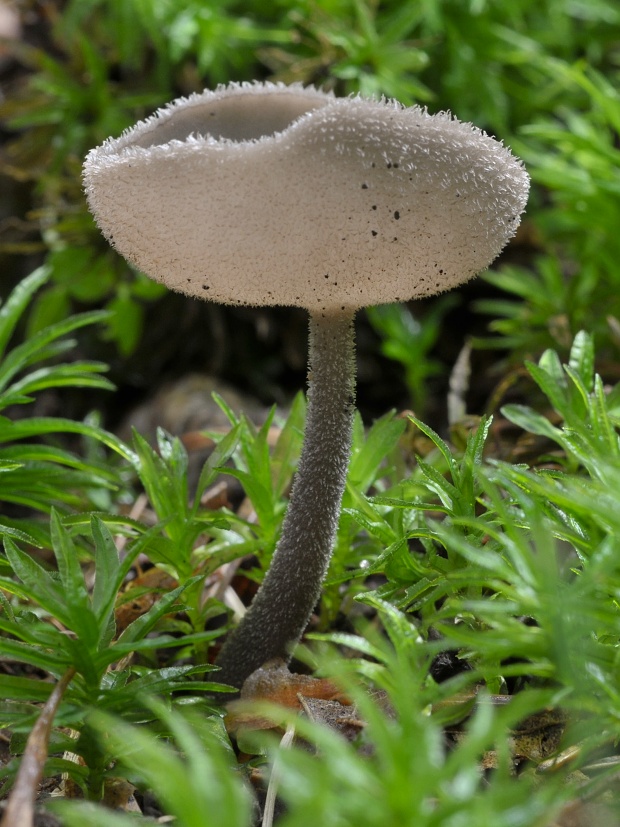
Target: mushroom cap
<point>266,194</point>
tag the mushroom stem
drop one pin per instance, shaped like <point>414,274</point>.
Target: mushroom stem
<point>282,607</point>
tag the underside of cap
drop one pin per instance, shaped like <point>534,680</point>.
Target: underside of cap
<point>267,194</point>
<point>237,112</point>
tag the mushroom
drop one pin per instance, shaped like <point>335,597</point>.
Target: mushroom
<point>266,194</point>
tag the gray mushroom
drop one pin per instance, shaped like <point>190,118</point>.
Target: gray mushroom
<point>266,194</point>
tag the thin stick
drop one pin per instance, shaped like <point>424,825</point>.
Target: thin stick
<point>19,810</point>
<point>274,781</point>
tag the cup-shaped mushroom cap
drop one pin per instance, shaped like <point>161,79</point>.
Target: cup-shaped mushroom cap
<point>265,194</point>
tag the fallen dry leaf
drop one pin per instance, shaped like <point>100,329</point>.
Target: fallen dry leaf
<point>148,588</point>
<point>274,683</point>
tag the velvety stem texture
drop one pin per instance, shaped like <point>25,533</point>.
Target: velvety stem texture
<point>280,611</point>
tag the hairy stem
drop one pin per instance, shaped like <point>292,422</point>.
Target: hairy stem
<point>280,611</point>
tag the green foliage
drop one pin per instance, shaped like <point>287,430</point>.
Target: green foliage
<point>37,474</point>
<point>369,782</point>
<point>409,340</point>
<point>338,781</point>
<point>576,158</point>
<point>43,345</point>
<point>375,465</point>
<point>572,155</point>
<point>588,411</point>
<point>482,59</point>
<point>163,474</point>
<point>356,45</point>
<point>82,638</point>
<point>418,577</point>
<point>517,543</point>
<point>266,478</point>
<point>50,620</point>
<point>64,596</point>
<point>515,569</point>
<point>182,546</point>
<point>194,777</point>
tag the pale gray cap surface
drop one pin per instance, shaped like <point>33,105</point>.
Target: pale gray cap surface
<point>265,194</point>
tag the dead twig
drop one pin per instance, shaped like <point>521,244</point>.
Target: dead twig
<point>19,810</point>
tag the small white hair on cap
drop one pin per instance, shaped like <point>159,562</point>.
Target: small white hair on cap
<point>266,194</point>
